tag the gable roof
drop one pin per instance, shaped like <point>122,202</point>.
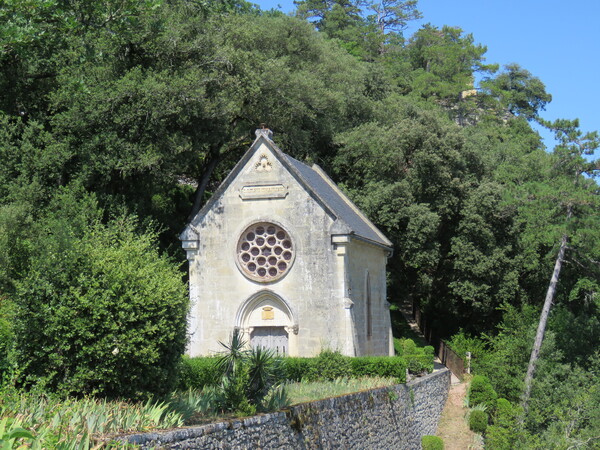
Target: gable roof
<point>349,220</point>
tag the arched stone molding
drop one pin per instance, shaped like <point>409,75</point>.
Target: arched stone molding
<point>268,309</point>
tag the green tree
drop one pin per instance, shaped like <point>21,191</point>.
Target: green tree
<point>579,200</point>
<point>393,15</point>
<point>100,310</point>
<point>518,91</point>
<point>445,62</point>
<point>410,172</point>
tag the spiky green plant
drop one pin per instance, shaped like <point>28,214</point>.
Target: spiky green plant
<point>249,375</point>
<point>46,422</point>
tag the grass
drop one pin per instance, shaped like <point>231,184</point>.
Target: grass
<point>309,391</point>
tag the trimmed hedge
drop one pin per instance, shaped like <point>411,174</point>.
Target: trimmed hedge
<point>296,368</point>
<point>195,373</point>
<point>321,367</point>
<point>432,443</point>
<point>381,366</point>
<point>481,392</point>
<point>419,359</point>
<point>478,421</point>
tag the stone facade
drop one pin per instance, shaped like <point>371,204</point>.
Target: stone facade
<point>280,253</point>
<point>384,418</point>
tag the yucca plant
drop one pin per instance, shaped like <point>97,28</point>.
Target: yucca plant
<point>248,376</point>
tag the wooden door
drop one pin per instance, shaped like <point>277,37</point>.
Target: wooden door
<point>271,338</point>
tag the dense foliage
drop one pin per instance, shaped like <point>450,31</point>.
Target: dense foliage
<point>481,392</point>
<point>199,372</point>
<point>478,421</point>
<point>101,311</point>
<point>125,109</point>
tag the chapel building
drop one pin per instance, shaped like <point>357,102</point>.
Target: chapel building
<point>282,255</point>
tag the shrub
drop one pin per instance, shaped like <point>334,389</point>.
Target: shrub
<point>308,369</point>
<point>432,443</point>
<point>198,372</point>
<point>100,311</point>
<point>499,438</point>
<point>478,421</point>
<point>330,365</point>
<point>505,414</point>
<point>405,347</point>
<point>419,359</point>
<point>297,369</point>
<point>419,364</point>
<point>482,392</point>
<point>380,366</point>
<point>462,343</point>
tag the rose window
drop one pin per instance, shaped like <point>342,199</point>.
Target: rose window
<point>265,252</point>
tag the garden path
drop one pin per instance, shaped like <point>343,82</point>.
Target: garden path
<point>453,427</point>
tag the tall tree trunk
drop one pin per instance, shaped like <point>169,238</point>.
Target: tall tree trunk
<point>539,337</point>
<point>202,183</point>
<point>218,153</point>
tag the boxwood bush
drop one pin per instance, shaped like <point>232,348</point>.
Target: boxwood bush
<point>297,369</point>
<point>330,365</point>
<point>419,359</point>
<point>478,421</point>
<point>432,443</point>
<point>481,392</point>
<point>380,366</point>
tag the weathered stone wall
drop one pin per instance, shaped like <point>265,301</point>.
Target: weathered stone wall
<point>384,418</point>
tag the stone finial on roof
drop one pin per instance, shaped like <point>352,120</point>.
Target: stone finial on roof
<point>264,131</point>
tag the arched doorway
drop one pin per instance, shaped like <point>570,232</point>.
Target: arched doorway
<point>267,321</point>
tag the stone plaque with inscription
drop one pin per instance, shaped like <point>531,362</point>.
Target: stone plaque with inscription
<point>268,313</point>
<point>263,191</point>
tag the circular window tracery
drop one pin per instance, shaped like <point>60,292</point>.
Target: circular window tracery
<point>265,252</point>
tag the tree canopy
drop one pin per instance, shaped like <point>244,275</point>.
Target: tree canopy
<point>126,109</point>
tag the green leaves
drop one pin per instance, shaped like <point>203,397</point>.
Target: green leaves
<point>100,310</point>
<point>251,378</point>
<point>519,91</point>
<point>445,61</point>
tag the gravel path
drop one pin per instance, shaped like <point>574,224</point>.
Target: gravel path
<point>453,427</point>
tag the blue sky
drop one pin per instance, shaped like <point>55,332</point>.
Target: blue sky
<point>557,41</point>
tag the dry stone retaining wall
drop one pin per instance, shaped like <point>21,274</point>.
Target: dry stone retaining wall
<point>383,418</point>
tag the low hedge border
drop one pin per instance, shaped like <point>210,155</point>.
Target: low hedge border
<point>195,373</point>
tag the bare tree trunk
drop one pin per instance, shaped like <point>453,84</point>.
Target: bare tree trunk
<point>202,183</point>
<point>218,154</point>
<point>539,337</point>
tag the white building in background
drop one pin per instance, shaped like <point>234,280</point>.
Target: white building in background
<point>280,253</point>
